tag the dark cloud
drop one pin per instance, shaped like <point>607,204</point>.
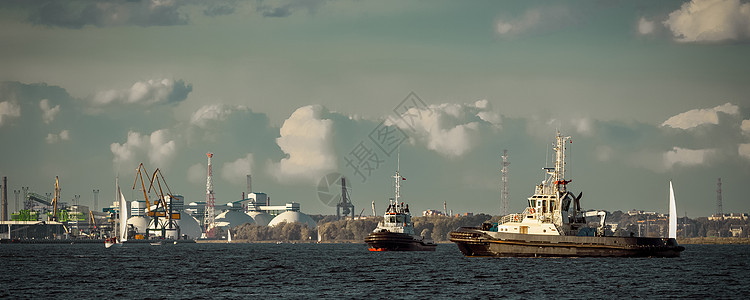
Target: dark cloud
<point>80,13</point>
<point>281,9</point>
<point>220,8</point>
<point>179,92</point>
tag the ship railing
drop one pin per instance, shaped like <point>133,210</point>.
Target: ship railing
<point>512,218</point>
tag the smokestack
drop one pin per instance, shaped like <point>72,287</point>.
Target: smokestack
<point>5,198</point>
<point>249,185</point>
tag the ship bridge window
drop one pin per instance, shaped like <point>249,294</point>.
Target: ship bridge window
<point>399,219</point>
<point>391,220</point>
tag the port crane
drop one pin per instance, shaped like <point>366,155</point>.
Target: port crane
<point>159,208</point>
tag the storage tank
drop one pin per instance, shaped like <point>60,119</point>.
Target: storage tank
<point>260,218</point>
<point>139,222</point>
<point>232,218</point>
<point>293,217</point>
<point>190,226</point>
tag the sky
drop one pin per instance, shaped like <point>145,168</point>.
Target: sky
<point>299,93</point>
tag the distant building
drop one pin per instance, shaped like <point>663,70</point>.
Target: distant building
<point>432,213</point>
<point>736,230</point>
<point>732,216</point>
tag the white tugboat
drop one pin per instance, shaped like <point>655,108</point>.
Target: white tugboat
<point>396,231</point>
<point>553,224</point>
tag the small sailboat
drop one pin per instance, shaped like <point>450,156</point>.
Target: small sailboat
<point>672,213</point>
<point>122,221</point>
<point>229,236</point>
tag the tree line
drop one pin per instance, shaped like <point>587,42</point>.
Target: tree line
<point>347,230</point>
<point>438,227</point>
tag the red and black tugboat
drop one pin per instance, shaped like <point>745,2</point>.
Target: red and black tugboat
<point>396,231</point>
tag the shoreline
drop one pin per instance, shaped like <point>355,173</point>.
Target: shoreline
<point>714,241</point>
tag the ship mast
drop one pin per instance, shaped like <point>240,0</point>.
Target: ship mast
<point>398,176</point>
<point>559,174</point>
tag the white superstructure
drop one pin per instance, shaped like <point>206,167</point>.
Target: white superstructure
<point>552,210</point>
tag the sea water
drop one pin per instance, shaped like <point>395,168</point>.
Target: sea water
<point>304,271</point>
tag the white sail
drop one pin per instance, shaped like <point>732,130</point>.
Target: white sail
<point>229,236</point>
<point>672,213</point>
<point>123,216</point>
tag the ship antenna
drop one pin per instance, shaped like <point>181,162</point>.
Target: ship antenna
<point>398,175</point>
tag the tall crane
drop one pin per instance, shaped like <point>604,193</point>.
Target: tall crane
<point>344,207</point>
<point>159,207</point>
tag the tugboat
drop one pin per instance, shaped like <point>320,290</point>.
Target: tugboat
<point>396,231</point>
<point>554,225</point>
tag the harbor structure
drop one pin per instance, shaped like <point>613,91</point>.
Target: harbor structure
<point>209,221</point>
<point>345,206</point>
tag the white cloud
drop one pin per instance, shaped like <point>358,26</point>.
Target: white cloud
<point>162,149</point>
<point>307,141</point>
<point>697,117</point>
<point>197,174</point>
<point>157,147</point>
<point>236,172</point>
<point>54,138</point>
<point>710,21</point>
<point>449,129</point>
<point>685,157</point>
<point>146,92</point>
<point>744,150</point>
<point>210,112</point>
<point>745,127</point>
<point>48,113</point>
<point>583,126</point>
<point>9,109</point>
<point>645,27</point>
<point>533,19</point>
<point>486,113</point>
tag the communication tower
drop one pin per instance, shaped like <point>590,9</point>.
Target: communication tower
<point>208,220</point>
<point>719,209</point>
<point>504,193</point>
<point>345,207</point>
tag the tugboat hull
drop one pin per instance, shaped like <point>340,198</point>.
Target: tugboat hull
<point>475,242</point>
<point>390,241</point>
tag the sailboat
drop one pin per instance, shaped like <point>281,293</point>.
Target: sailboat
<point>672,213</point>
<point>229,236</point>
<point>122,233</point>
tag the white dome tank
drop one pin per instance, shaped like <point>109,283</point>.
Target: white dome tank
<point>261,218</point>
<point>190,226</point>
<point>293,217</point>
<point>140,223</point>
<point>232,218</point>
